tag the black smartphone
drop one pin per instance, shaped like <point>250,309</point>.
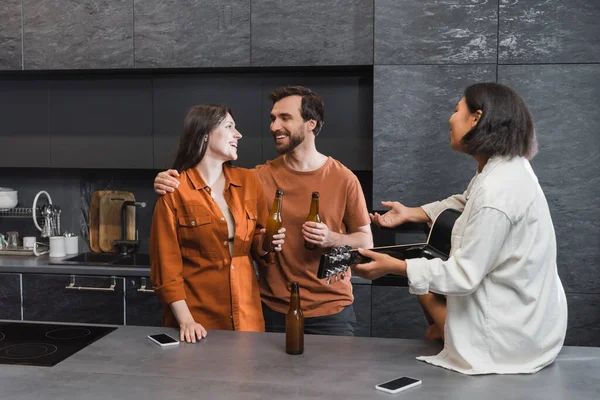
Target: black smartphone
<point>398,384</point>
<point>163,340</point>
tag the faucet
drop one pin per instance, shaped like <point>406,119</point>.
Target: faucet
<point>125,244</point>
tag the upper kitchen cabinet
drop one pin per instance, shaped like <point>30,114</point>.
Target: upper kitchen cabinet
<point>11,56</point>
<point>173,97</point>
<point>347,132</point>
<point>77,34</point>
<point>101,123</point>
<point>312,32</point>
<point>550,31</point>
<point>436,32</point>
<point>192,33</point>
<point>24,139</point>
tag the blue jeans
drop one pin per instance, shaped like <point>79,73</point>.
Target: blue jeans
<point>340,324</point>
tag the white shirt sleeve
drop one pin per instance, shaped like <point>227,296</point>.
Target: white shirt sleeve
<point>456,201</point>
<point>484,236</point>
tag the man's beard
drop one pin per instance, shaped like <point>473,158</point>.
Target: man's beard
<point>294,141</point>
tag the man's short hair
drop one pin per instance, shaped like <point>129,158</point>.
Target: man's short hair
<point>312,105</point>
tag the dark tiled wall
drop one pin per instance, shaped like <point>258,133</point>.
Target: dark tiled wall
<point>93,34</point>
<point>315,32</point>
<point>69,34</point>
<point>426,53</point>
<point>10,35</point>
<point>188,33</point>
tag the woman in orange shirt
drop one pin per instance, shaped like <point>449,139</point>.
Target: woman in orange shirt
<point>205,234</point>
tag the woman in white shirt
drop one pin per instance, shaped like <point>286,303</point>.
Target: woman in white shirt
<point>505,309</point>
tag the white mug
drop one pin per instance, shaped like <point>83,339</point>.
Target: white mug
<point>29,242</point>
<point>71,244</point>
<point>57,246</point>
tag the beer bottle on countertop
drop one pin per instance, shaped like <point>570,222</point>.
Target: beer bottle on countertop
<point>294,323</point>
<point>313,216</point>
<point>273,222</point>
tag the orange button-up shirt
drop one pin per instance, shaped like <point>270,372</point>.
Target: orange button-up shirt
<point>189,251</point>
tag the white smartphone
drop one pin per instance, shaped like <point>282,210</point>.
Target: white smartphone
<point>398,385</point>
<point>163,340</point>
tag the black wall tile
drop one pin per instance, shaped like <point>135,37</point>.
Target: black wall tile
<point>78,34</point>
<point>192,33</point>
<point>436,32</point>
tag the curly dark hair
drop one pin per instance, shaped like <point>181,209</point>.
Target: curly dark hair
<point>199,122</point>
<point>312,104</point>
<point>505,127</point>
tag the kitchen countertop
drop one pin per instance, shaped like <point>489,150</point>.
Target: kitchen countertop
<point>41,265</point>
<point>242,365</point>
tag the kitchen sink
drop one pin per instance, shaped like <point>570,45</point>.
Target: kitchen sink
<point>93,258</point>
<point>136,260</point>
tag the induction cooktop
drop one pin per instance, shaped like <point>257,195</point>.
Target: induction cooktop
<point>45,345</point>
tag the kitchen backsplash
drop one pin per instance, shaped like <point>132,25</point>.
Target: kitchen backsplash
<point>71,190</point>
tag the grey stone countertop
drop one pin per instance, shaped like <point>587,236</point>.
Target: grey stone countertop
<point>41,265</point>
<point>243,365</point>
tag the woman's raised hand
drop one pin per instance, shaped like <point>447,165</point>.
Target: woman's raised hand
<point>398,215</point>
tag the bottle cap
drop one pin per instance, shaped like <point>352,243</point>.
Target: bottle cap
<point>279,192</point>
<point>315,194</point>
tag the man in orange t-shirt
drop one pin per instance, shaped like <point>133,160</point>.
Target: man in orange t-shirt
<point>296,120</point>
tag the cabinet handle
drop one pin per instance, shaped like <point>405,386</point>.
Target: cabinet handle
<point>111,288</point>
<point>143,287</point>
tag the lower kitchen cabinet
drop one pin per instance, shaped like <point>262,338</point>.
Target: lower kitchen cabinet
<point>362,309</point>
<point>10,296</point>
<point>143,306</point>
<point>395,313</point>
<point>73,298</point>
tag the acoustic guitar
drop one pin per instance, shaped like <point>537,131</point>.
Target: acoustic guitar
<point>335,262</point>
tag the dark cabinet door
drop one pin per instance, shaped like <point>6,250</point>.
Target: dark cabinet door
<point>24,138</point>
<point>395,313</point>
<point>362,309</point>
<point>101,123</point>
<point>143,306</point>
<point>73,298</point>
<point>10,296</point>
<point>174,96</point>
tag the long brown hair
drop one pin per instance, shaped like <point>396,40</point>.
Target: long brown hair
<point>197,125</point>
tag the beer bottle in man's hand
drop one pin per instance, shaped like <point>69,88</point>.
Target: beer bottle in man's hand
<point>273,222</point>
<point>313,216</point>
<point>294,323</point>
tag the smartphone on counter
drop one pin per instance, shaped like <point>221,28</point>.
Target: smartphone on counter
<point>163,340</point>
<point>397,385</point>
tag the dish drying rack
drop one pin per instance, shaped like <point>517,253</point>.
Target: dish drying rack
<point>35,214</point>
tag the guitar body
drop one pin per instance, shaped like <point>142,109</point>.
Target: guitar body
<point>338,259</point>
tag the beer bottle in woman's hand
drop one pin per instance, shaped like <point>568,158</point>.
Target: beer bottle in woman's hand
<point>273,222</point>
<point>313,216</point>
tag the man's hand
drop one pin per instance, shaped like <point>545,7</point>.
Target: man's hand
<point>381,264</point>
<point>277,242</point>
<point>166,181</point>
<point>318,233</point>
